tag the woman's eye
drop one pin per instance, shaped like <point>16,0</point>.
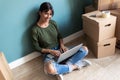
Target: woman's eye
<point>46,13</point>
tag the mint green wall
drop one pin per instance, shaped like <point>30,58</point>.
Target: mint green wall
<point>18,16</point>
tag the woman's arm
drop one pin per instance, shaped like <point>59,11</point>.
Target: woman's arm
<point>62,46</point>
<point>53,52</point>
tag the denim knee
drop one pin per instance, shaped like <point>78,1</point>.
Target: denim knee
<point>84,50</point>
<point>49,68</point>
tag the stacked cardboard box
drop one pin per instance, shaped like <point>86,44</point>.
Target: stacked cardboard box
<point>116,13</point>
<point>103,5</point>
<point>114,7</point>
<point>5,72</point>
<point>100,33</point>
<point>102,48</point>
<point>106,4</point>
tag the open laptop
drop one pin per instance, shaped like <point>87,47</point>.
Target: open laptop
<point>68,53</point>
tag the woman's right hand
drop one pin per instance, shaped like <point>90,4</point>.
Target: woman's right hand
<point>55,52</point>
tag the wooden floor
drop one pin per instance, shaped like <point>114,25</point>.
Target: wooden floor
<point>107,68</point>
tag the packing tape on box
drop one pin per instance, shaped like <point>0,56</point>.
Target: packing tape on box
<point>105,14</point>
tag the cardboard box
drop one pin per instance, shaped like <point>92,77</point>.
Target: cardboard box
<point>102,4</point>
<point>106,4</point>
<point>5,72</point>
<point>116,13</point>
<point>1,76</point>
<point>98,28</point>
<point>103,48</point>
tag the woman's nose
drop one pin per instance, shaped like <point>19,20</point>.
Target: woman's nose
<point>49,16</point>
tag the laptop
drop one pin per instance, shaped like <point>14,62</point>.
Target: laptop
<point>68,53</point>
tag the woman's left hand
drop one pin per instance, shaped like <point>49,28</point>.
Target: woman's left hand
<point>63,49</point>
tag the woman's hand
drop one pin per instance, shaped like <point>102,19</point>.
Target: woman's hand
<point>55,52</point>
<point>63,49</point>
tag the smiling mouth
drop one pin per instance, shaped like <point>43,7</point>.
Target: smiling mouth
<point>48,18</point>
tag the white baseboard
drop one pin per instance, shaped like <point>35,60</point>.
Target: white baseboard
<point>24,59</point>
<point>73,36</point>
<point>33,55</point>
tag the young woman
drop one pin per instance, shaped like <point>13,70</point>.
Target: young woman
<point>47,40</point>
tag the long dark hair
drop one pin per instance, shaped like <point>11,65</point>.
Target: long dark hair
<point>45,6</point>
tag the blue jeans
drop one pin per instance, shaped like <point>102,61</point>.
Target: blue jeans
<point>65,68</point>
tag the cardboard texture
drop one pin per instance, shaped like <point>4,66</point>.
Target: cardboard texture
<point>106,4</point>
<point>98,28</point>
<point>5,72</point>
<point>103,48</point>
<point>1,76</point>
<point>116,13</point>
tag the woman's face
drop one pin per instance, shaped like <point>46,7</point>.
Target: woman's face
<point>46,16</point>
